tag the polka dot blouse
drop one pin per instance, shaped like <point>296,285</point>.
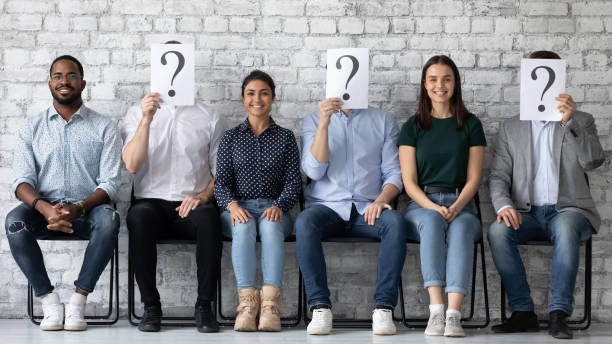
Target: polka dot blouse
<point>251,167</point>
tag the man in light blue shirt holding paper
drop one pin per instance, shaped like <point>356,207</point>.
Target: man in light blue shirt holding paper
<point>351,156</point>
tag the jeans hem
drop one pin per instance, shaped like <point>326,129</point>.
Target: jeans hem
<point>453,289</point>
<point>44,293</point>
<point>383,304</point>
<point>312,304</point>
<point>435,283</point>
<point>559,308</point>
<point>87,290</point>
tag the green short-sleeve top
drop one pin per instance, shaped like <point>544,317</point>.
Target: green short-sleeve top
<point>442,152</point>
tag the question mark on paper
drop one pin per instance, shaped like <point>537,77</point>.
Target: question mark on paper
<point>551,80</point>
<point>346,96</point>
<point>179,67</point>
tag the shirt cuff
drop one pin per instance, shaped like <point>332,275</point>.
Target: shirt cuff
<point>311,165</point>
<point>502,208</point>
<point>567,124</point>
<point>395,180</point>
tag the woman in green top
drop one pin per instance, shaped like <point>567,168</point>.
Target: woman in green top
<point>441,150</point>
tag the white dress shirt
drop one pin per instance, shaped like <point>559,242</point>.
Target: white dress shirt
<point>182,154</point>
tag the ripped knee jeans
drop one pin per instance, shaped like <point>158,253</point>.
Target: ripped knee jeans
<point>25,225</point>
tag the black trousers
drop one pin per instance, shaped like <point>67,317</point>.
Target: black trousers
<point>150,220</point>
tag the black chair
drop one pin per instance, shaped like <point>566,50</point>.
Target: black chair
<point>108,318</point>
<point>422,322</point>
<point>179,321</point>
<point>582,323</point>
<point>293,321</point>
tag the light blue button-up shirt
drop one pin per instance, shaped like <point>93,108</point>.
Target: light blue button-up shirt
<point>68,160</point>
<point>363,157</point>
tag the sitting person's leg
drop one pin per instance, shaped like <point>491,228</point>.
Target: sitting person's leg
<point>311,226</point>
<point>203,225</point>
<point>390,228</point>
<point>244,260</point>
<point>272,235</point>
<point>101,227</point>
<point>567,231</point>
<point>429,227</point>
<point>146,220</point>
<point>462,233</point>
<point>504,241</point>
<point>23,226</point>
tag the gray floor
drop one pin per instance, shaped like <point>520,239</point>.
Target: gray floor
<point>22,331</point>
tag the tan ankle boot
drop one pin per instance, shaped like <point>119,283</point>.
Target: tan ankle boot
<point>269,318</point>
<point>246,320</point>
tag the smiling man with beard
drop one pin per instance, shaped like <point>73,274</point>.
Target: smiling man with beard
<point>66,173</point>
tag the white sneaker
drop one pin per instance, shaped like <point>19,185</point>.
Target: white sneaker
<point>75,313</point>
<point>453,325</point>
<point>435,325</point>
<point>321,323</point>
<point>53,313</point>
<point>382,322</point>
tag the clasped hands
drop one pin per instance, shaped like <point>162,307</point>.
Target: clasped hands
<point>60,216</point>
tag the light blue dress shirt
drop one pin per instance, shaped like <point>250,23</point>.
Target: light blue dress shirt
<point>363,157</point>
<point>68,160</point>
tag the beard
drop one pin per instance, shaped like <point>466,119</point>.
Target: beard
<point>66,101</point>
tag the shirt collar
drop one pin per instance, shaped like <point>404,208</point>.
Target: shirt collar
<point>81,112</point>
<point>245,125</point>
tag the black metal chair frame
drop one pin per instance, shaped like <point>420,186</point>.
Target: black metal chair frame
<point>582,323</point>
<point>106,319</point>
<point>351,323</point>
<point>285,321</point>
<point>422,322</point>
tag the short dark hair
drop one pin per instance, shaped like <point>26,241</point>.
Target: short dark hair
<point>259,75</point>
<point>544,54</point>
<point>173,42</point>
<point>70,58</point>
<point>457,107</point>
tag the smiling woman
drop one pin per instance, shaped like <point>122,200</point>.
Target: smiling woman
<point>258,181</point>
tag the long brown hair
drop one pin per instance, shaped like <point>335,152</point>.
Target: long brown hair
<point>457,108</point>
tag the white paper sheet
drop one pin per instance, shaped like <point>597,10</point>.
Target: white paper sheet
<point>173,73</point>
<point>542,80</point>
<point>347,76</point>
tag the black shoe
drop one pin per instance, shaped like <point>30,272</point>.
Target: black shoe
<point>205,319</point>
<point>151,320</point>
<point>557,325</point>
<point>519,322</point>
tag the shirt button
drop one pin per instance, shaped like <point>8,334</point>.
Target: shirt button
<point>528,204</point>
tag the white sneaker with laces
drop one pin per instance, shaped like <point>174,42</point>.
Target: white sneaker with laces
<point>321,323</point>
<point>435,325</point>
<point>75,313</point>
<point>453,325</point>
<point>382,322</point>
<point>53,313</point>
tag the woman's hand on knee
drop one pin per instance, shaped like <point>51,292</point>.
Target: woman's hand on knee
<point>273,213</point>
<point>238,214</point>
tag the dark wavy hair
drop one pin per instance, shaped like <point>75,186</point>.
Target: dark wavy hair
<point>259,75</point>
<point>457,108</point>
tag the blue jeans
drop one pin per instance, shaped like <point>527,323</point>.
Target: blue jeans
<point>24,225</point>
<point>244,237</point>
<point>566,230</point>
<point>319,222</point>
<point>446,248</point>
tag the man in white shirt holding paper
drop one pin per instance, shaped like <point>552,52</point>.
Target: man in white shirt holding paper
<point>540,191</point>
<point>171,150</point>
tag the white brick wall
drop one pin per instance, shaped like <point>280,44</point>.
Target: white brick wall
<point>288,38</point>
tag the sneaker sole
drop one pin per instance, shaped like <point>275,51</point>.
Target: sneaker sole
<point>75,327</point>
<point>318,333</point>
<point>53,328</point>
<point>384,332</point>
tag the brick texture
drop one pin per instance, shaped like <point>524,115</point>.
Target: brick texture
<point>288,38</point>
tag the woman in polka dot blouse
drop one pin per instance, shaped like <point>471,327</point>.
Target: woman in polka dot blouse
<point>258,181</point>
